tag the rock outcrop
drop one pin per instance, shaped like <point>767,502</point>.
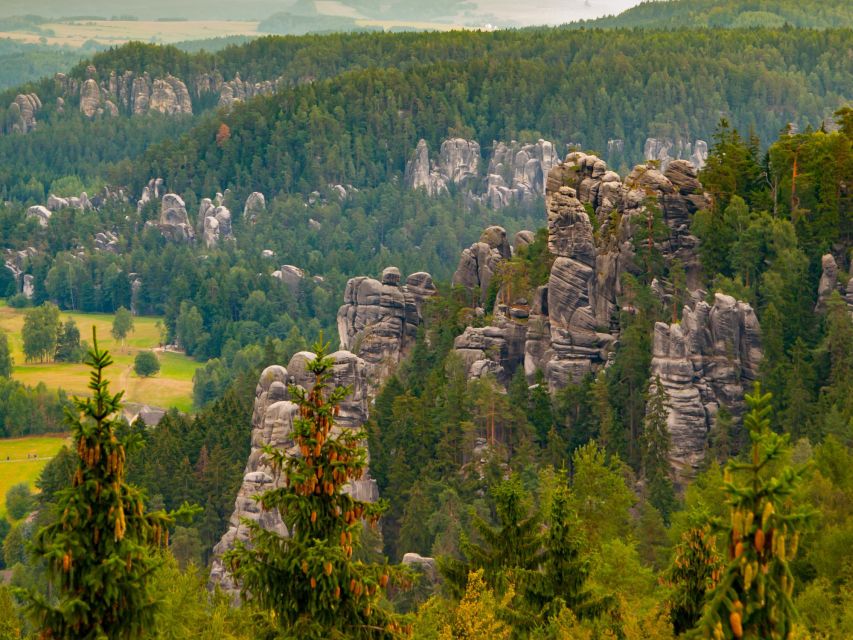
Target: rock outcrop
<point>705,362</point>
<point>255,206</point>
<point>291,276</point>
<point>272,424</point>
<point>21,115</point>
<point>135,94</point>
<point>828,281</point>
<point>458,163</point>
<point>478,263</point>
<point>570,327</point>
<point>174,223</point>
<point>664,151</point>
<point>55,203</point>
<point>40,213</point>
<point>214,223</point>
<point>517,172</point>
<point>379,319</point>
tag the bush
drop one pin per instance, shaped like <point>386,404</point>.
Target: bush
<point>19,301</point>
<point>19,500</point>
<point>146,364</point>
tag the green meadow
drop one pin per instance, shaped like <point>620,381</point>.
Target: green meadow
<point>172,387</point>
<point>17,467</point>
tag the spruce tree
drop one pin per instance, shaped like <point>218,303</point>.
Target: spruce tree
<point>308,579</point>
<point>102,550</point>
<point>655,451</point>
<point>694,572</point>
<point>514,545</point>
<point>561,581</point>
<point>753,596</point>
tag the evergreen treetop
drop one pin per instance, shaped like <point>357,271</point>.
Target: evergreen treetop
<point>308,579</point>
<point>101,552</point>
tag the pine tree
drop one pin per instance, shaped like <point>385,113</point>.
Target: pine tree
<point>753,596</point>
<point>655,452</point>
<point>308,579</point>
<point>694,572</point>
<point>101,551</point>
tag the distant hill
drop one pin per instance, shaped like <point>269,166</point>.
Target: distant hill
<point>730,14</point>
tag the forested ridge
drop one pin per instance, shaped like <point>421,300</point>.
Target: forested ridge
<point>580,87</point>
<point>712,14</point>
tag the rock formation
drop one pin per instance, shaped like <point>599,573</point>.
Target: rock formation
<point>570,326</point>
<point>174,223</point>
<point>379,319</point>
<point>55,203</point>
<point>256,204</point>
<point>128,93</point>
<point>291,276</point>
<point>517,172</point>
<point>706,361</point>
<point>478,263</point>
<point>21,115</point>
<point>272,424</point>
<point>214,223</point>
<point>664,150</point>
<point>40,213</point>
<point>458,163</point>
<point>828,281</point>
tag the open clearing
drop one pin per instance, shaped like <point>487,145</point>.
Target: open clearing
<point>18,468</point>
<point>172,387</point>
<point>74,33</point>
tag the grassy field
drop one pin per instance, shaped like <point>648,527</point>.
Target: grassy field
<point>18,468</point>
<point>74,33</point>
<point>172,387</point>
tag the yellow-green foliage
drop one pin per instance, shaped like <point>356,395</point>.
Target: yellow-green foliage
<point>474,618</point>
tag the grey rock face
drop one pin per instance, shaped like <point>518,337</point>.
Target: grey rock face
<point>664,150</point>
<point>255,206</point>
<point>174,222</point>
<point>237,90</point>
<point>828,281</point>
<point>21,116</point>
<point>459,160</point>
<point>478,263</point>
<point>90,98</point>
<point>40,213</point>
<point>517,172</point>
<point>170,96</point>
<point>706,361</point>
<point>849,295</point>
<point>379,319</point>
<point>129,93</point>
<point>272,424</point>
<point>214,223</point>
<point>55,203</point>
<point>420,174</point>
<point>291,276</point>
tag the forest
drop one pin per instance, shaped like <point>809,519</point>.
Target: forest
<point>570,525</point>
<point>504,509</point>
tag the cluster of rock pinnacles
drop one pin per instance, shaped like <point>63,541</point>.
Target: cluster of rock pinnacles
<point>566,330</point>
